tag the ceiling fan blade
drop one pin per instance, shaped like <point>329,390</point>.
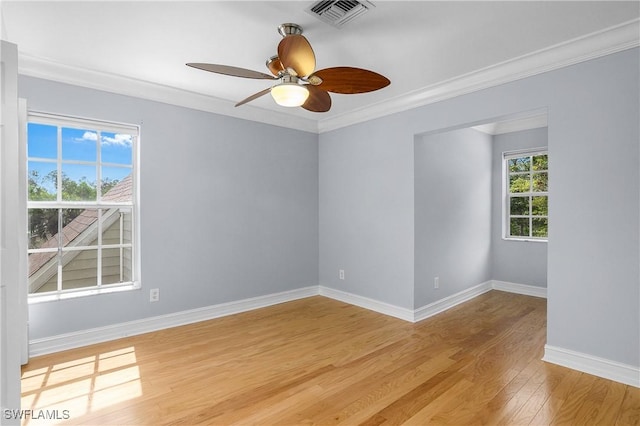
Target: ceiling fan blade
<point>232,71</point>
<point>318,100</point>
<point>254,96</point>
<point>295,52</point>
<point>349,80</point>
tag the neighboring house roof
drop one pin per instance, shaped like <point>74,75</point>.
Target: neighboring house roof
<point>80,231</point>
<point>122,191</point>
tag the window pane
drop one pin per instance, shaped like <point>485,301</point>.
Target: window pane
<point>116,148</point>
<point>42,181</point>
<point>43,228</point>
<point>539,206</point>
<point>519,227</point>
<point>541,162</point>
<point>127,230</point>
<point>78,182</point>
<point>112,262</point>
<point>111,226</point>
<point>116,226</point>
<point>79,269</point>
<point>519,206</point>
<point>127,264</point>
<point>519,183</point>
<point>43,272</point>
<point>79,227</point>
<point>42,141</point>
<point>540,182</point>
<point>521,164</point>
<point>79,144</point>
<point>117,184</point>
<point>539,226</point>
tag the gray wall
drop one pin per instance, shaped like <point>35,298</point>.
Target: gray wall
<point>229,209</point>
<point>452,213</point>
<point>367,199</point>
<point>366,210</point>
<point>520,262</point>
<point>593,260</point>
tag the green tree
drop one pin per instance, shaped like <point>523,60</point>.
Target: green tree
<point>37,186</point>
<point>80,190</point>
<point>519,183</point>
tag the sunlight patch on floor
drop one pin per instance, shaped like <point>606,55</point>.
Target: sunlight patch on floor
<point>51,395</point>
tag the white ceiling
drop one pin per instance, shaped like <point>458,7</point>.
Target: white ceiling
<point>419,45</point>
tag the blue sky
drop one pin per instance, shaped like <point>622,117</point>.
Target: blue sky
<point>79,145</point>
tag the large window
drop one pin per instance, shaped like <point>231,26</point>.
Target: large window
<point>527,195</point>
<point>81,205</point>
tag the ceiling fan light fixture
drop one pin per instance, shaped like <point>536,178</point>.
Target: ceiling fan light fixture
<point>289,94</point>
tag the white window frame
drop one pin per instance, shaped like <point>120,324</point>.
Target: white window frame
<point>100,126</point>
<point>506,201</point>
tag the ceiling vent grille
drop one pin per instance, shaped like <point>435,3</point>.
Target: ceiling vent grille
<point>339,12</point>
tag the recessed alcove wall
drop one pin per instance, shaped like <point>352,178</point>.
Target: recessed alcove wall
<point>459,211</point>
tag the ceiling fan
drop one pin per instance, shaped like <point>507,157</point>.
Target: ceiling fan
<point>298,82</point>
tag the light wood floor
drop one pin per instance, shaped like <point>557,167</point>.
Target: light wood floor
<point>319,361</point>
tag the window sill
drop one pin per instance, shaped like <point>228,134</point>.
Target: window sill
<point>36,298</point>
<point>529,240</point>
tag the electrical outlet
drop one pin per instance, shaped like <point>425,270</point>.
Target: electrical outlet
<point>436,282</point>
<point>341,274</point>
<point>154,295</point>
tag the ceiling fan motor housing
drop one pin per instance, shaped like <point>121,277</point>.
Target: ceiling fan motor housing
<point>289,29</point>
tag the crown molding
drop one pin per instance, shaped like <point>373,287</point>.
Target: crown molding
<point>610,40</point>
<point>591,46</point>
<point>32,66</point>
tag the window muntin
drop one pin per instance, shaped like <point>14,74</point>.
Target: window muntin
<point>526,195</point>
<point>81,205</point>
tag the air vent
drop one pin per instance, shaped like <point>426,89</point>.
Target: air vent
<point>339,12</point>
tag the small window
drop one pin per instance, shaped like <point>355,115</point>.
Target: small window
<point>81,205</point>
<point>526,195</point>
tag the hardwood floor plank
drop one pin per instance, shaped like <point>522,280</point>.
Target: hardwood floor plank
<point>560,385</point>
<point>630,410</point>
<point>529,410</point>
<point>592,404</point>
<point>501,408</point>
<point>344,387</point>
<point>611,405</point>
<point>427,414</point>
<point>318,361</point>
<point>365,405</point>
<point>575,399</point>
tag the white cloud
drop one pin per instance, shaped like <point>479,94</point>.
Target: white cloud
<point>89,136</point>
<point>117,139</point>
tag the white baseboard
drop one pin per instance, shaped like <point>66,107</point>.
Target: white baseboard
<point>91,336</point>
<point>623,373</point>
<point>527,290</point>
<point>367,303</point>
<point>436,307</point>
<point>448,302</point>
